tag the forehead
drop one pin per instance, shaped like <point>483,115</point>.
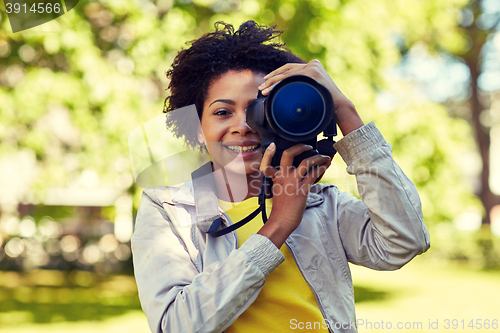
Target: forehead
<point>234,83</point>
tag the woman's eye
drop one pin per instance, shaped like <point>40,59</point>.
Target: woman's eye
<point>222,112</point>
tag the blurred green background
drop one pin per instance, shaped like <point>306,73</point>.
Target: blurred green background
<point>427,72</point>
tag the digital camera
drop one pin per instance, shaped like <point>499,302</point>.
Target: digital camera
<point>296,110</point>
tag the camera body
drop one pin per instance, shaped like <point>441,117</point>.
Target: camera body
<point>296,110</point>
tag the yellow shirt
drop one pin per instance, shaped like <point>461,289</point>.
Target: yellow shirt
<point>286,302</point>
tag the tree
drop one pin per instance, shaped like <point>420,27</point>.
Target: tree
<point>100,71</point>
<point>479,28</point>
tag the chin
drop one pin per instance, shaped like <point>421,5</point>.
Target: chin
<point>239,166</point>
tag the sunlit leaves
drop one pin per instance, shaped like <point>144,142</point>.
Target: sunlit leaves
<point>101,68</point>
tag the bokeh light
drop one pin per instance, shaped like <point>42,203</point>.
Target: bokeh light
<point>14,247</point>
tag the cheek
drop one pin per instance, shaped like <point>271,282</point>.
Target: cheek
<point>214,131</point>
<point>213,136</point>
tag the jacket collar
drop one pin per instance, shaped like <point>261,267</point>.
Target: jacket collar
<point>208,212</point>
<point>183,195</point>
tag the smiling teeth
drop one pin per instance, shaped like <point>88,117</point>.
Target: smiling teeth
<point>239,149</point>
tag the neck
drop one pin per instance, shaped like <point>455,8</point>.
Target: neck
<point>233,187</point>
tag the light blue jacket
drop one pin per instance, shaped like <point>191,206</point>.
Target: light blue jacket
<point>189,281</point>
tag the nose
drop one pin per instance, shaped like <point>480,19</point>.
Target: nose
<point>240,125</point>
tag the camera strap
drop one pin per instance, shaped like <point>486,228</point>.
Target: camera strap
<point>261,209</point>
<point>208,218</point>
<point>239,224</point>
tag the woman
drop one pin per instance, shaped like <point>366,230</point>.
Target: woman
<point>247,280</point>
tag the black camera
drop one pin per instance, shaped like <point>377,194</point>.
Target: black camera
<point>296,110</point>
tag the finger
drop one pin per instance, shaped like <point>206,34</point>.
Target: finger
<point>276,77</point>
<point>314,67</point>
<point>267,86</point>
<point>265,91</point>
<point>311,163</point>
<point>290,153</point>
<point>317,172</point>
<point>282,69</point>
<point>265,165</point>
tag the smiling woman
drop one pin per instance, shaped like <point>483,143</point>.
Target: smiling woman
<point>194,69</point>
<point>198,271</point>
<point>223,123</point>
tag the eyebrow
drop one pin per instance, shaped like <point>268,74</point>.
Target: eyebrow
<point>227,101</point>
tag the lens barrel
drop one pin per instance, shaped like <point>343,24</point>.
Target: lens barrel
<point>298,108</point>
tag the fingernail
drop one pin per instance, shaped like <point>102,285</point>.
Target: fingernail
<point>265,91</point>
<point>271,146</point>
<point>309,146</point>
<point>266,76</point>
<point>262,86</point>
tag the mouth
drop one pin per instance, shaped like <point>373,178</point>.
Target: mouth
<point>243,149</point>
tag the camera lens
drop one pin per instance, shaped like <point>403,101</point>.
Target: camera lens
<point>298,109</point>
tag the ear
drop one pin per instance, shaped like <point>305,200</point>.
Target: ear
<point>199,133</point>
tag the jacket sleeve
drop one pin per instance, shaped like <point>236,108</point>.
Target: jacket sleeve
<point>174,295</point>
<point>385,229</point>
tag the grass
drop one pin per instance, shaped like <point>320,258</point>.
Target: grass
<point>79,301</point>
<point>421,295</point>
<point>442,298</point>
<point>129,322</point>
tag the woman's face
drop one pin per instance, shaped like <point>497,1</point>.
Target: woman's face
<point>225,130</point>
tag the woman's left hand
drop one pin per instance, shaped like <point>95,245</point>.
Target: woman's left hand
<point>345,114</point>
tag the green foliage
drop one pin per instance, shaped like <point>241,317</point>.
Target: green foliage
<point>478,250</point>
<point>41,212</point>
<point>73,93</point>
<point>429,146</point>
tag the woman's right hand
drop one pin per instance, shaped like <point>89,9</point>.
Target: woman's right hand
<point>290,189</point>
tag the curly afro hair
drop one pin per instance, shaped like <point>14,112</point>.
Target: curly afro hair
<point>251,47</point>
